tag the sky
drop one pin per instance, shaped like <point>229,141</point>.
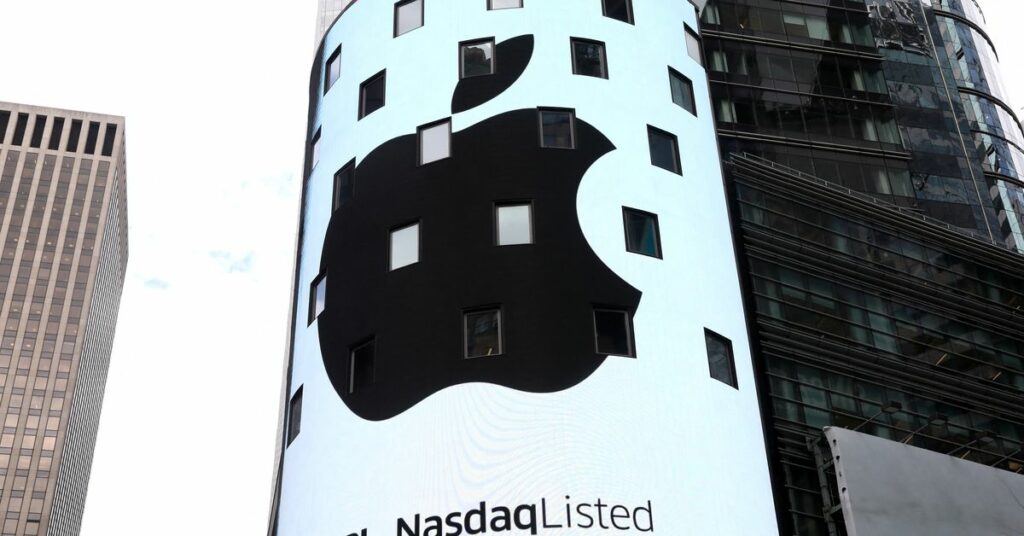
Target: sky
<point>215,94</point>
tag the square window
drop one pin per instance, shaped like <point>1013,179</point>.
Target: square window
<point>588,58</point>
<point>332,71</point>
<point>483,333</point>
<point>408,16</point>
<point>682,91</point>
<point>693,47</point>
<point>476,58</point>
<point>613,332</point>
<point>344,184</point>
<point>504,4</point>
<point>664,150</point>
<point>435,141</point>
<point>405,246</point>
<point>361,366</point>
<point>317,297</point>
<point>642,233</point>
<point>314,150</point>
<point>720,358</point>
<point>557,128</point>
<point>618,10</point>
<point>371,94</point>
<point>295,415</point>
<point>514,224</point>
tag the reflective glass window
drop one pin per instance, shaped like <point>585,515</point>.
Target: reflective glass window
<point>720,358</point>
<point>613,332</point>
<point>618,10</point>
<point>408,16</point>
<point>588,58</point>
<point>332,72</point>
<point>435,141</point>
<point>504,4</point>
<point>664,150</point>
<point>693,45</point>
<point>642,233</point>
<point>682,91</point>
<point>514,224</point>
<point>405,246</point>
<point>295,415</point>
<point>361,366</point>
<point>371,94</point>
<point>317,297</point>
<point>557,129</point>
<point>476,58</point>
<point>344,184</point>
<point>483,333</point>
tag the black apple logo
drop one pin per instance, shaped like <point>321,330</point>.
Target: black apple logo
<point>414,316</point>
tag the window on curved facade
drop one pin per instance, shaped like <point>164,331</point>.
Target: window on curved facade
<point>642,232</point>
<point>482,331</point>
<point>332,71</point>
<point>360,368</point>
<point>682,91</point>
<point>664,150</point>
<point>371,94</point>
<point>435,141</point>
<point>693,47</point>
<point>314,149</point>
<point>504,4</point>
<point>476,58</point>
<point>295,415</point>
<point>317,297</point>
<point>557,128</point>
<point>721,362</point>
<point>588,58</point>
<point>514,224</point>
<point>344,184</point>
<point>405,246</point>
<point>613,332</point>
<point>618,10</point>
<point>408,16</point>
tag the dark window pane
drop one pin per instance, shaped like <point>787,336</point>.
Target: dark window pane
<point>108,140</point>
<point>37,132</point>
<point>5,117</point>
<point>557,129</point>
<point>332,72</point>
<point>91,138</point>
<point>483,333</point>
<point>344,184</point>
<point>720,358</point>
<point>612,332</point>
<point>619,10</point>
<point>76,131</point>
<point>664,150</point>
<point>477,58</point>
<point>295,416</point>
<point>317,297</point>
<point>361,367</point>
<point>642,235</point>
<point>314,150</point>
<point>55,133</point>
<point>588,58</point>
<point>682,91</point>
<point>371,95</point>
<point>19,129</point>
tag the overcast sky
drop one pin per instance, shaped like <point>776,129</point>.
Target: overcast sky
<point>214,92</point>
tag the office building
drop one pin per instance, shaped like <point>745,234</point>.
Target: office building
<point>875,167</point>
<point>327,12</point>
<point>528,279</point>
<point>65,246</point>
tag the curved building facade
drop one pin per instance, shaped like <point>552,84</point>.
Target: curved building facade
<point>517,304</point>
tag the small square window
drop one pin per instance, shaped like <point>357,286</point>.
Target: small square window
<point>371,94</point>
<point>504,4</point>
<point>408,16</point>
<point>720,358</point>
<point>588,58</point>
<point>405,246</point>
<point>435,141</point>
<point>664,150</point>
<point>344,184</point>
<point>618,10</point>
<point>317,297</point>
<point>476,58</point>
<point>314,150</point>
<point>613,332</point>
<point>361,370</point>
<point>332,70</point>
<point>682,91</point>
<point>693,47</point>
<point>557,128</point>
<point>514,224</point>
<point>483,333</point>
<point>295,415</point>
<point>642,233</point>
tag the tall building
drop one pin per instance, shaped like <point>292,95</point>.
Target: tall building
<point>875,164</point>
<point>516,301</point>
<point>327,12</point>
<point>526,271</point>
<point>65,246</point>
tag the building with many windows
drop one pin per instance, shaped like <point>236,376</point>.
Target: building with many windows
<point>516,288</point>
<point>65,247</point>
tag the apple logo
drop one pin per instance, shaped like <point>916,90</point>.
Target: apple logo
<point>391,338</point>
